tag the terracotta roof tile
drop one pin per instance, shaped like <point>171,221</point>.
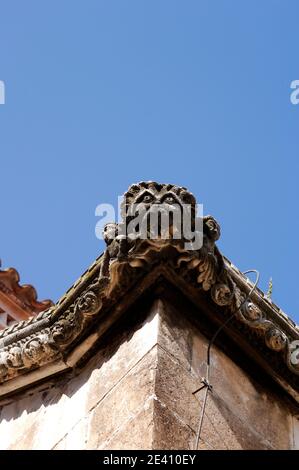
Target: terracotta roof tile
<point>18,302</point>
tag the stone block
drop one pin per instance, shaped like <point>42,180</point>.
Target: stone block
<point>127,399</point>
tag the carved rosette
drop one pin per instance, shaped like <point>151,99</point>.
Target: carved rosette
<point>89,304</point>
<point>251,313</point>
<point>292,356</point>
<point>222,294</point>
<point>276,339</point>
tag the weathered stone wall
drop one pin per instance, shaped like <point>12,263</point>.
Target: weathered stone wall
<point>240,413</point>
<point>136,393</point>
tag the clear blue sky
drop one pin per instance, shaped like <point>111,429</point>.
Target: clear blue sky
<point>101,94</point>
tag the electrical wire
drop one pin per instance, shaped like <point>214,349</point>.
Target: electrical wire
<point>206,379</point>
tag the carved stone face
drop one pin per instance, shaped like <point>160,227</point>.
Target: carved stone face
<point>158,200</point>
<point>149,193</point>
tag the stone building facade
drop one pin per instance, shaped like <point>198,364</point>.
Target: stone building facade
<point>120,362</point>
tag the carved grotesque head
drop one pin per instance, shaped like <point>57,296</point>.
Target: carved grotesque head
<point>149,193</point>
<point>158,202</point>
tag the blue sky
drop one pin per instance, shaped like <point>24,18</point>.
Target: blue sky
<point>101,94</point>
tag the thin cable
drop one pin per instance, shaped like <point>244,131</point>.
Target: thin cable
<point>206,380</point>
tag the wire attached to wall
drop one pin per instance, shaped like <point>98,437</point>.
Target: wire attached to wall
<point>206,380</point>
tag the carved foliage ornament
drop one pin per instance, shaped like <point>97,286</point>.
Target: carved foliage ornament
<point>49,343</point>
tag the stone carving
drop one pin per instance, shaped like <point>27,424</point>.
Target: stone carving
<point>66,327</point>
<point>36,349</point>
<point>252,315</point>
<point>222,294</point>
<point>127,256</point>
<point>206,264</point>
<point>25,354</point>
<point>49,343</point>
<point>150,193</point>
<point>88,304</point>
<point>276,339</point>
<point>14,357</point>
<point>117,247</point>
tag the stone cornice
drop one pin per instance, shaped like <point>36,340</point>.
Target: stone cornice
<point>56,339</point>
